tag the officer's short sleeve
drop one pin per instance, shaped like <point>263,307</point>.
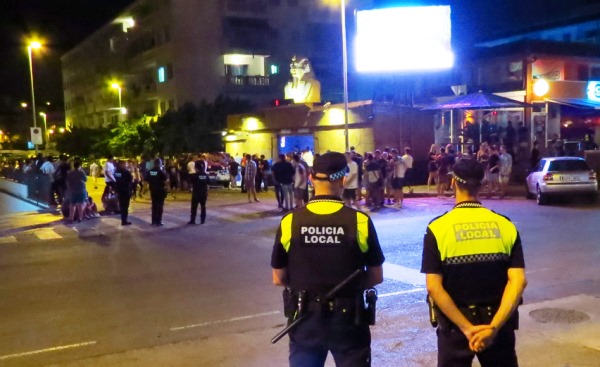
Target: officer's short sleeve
<point>517,260</point>
<point>374,255</point>
<point>279,255</point>
<point>431,262</point>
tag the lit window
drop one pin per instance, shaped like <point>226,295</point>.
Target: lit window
<point>274,69</point>
<point>161,74</point>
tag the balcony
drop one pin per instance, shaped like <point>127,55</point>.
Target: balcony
<point>247,80</point>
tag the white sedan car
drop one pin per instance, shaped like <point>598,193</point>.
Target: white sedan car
<point>561,176</point>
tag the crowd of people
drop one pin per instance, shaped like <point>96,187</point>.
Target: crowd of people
<point>496,160</point>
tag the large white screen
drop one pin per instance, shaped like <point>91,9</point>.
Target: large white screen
<point>403,39</point>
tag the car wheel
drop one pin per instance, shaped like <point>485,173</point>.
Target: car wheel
<point>540,197</point>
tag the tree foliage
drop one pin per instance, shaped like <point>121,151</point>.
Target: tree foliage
<point>196,128</point>
<point>83,142</point>
<point>191,128</point>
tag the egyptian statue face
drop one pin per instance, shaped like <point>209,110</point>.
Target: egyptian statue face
<point>299,67</point>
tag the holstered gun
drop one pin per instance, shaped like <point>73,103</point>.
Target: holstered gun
<point>301,313</point>
<point>371,299</point>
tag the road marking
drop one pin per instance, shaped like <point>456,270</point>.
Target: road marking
<point>47,234</point>
<point>401,292</point>
<point>241,318</point>
<point>403,274</point>
<point>8,239</point>
<point>47,350</point>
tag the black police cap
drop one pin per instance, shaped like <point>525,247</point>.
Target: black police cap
<point>332,165</point>
<point>468,172</point>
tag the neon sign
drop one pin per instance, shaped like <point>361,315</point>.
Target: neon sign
<point>593,90</point>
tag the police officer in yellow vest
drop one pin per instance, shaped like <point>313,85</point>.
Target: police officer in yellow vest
<point>316,248</point>
<point>475,272</point>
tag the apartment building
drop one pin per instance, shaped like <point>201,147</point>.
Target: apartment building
<point>159,54</point>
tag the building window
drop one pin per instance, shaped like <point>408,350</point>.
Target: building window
<point>274,69</point>
<point>236,70</point>
<point>165,73</point>
<point>162,74</point>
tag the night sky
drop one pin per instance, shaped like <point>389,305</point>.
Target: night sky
<point>65,23</point>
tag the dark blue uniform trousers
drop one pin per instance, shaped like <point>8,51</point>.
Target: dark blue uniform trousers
<point>453,349</point>
<point>320,333</point>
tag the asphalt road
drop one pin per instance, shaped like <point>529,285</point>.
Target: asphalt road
<point>96,294</point>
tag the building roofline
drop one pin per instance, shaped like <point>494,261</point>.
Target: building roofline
<point>582,16</point>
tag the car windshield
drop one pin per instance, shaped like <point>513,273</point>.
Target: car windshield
<point>568,165</point>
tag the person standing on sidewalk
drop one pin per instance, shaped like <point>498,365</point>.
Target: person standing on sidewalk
<point>199,182</point>
<point>250,177</point>
<point>157,181</point>
<point>408,175</point>
<point>506,163</point>
<point>350,182</point>
<point>475,276</point>
<point>94,172</point>
<point>283,175</point>
<point>123,183</point>
<point>75,187</point>
<point>109,174</point>
<point>400,167</point>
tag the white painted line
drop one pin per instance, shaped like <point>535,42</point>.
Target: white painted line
<point>241,318</point>
<point>8,239</point>
<point>403,274</point>
<point>401,292</point>
<point>47,234</point>
<point>47,350</point>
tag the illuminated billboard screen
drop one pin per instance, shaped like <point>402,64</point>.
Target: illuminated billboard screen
<point>410,38</point>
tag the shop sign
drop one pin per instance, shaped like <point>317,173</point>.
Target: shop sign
<point>593,90</point>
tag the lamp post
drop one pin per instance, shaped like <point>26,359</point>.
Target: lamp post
<point>45,117</point>
<point>33,45</point>
<point>345,71</point>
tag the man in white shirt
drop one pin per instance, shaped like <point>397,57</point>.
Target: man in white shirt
<point>94,173</point>
<point>350,181</point>
<point>399,166</point>
<point>109,174</point>
<point>408,175</point>
<point>505,170</point>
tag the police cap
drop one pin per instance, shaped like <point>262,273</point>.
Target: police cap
<point>330,166</point>
<point>468,172</point>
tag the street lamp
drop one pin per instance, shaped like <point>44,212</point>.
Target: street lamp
<point>33,45</point>
<point>345,71</point>
<point>45,117</point>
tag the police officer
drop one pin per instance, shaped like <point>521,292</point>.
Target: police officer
<point>157,181</point>
<point>123,181</point>
<point>199,180</point>
<point>316,248</point>
<point>475,273</point>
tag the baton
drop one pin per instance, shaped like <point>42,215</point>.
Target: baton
<point>327,297</point>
